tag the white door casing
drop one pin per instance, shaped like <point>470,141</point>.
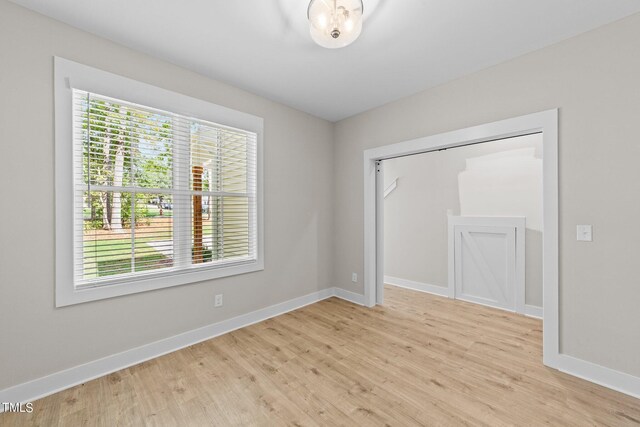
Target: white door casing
<point>545,122</point>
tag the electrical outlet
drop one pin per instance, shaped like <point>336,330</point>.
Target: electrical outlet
<point>218,301</point>
<point>354,277</point>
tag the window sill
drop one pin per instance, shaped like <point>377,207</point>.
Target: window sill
<point>68,295</point>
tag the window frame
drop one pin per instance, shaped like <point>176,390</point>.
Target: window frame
<point>69,75</point>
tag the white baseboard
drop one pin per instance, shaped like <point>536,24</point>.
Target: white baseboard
<point>533,311</point>
<point>41,387</point>
<point>349,296</point>
<point>417,286</point>
<point>606,377</point>
<point>529,310</point>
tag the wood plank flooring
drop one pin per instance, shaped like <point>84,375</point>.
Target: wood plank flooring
<point>418,360</point>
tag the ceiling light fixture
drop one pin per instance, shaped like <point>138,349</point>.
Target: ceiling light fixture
<point>335,23</point>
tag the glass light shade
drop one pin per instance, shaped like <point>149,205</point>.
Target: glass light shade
<point>335,23</point>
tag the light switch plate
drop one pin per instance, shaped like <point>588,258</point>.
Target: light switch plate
<point>584,233</point>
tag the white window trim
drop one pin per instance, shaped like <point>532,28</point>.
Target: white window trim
<point>70,75</point>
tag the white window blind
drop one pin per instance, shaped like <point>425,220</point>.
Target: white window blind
<point>158,193</point>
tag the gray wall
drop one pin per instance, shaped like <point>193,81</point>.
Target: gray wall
<point>593,79</point>
<point>36,338</point>
<point>415,213</point>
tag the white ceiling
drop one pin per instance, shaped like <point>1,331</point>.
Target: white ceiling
<point>406,46</point>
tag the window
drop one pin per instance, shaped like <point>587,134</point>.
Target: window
<point>162,189</point>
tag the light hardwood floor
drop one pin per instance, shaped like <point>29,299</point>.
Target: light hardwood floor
<point>418,360</point>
